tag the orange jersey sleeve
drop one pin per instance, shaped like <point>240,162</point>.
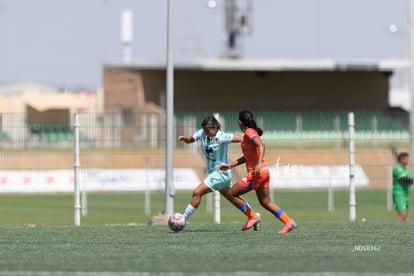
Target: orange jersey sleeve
<point>250,150</point>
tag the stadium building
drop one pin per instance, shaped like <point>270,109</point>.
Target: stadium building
<point>229,85</point>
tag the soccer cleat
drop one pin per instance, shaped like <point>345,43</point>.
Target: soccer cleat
<point>251,222</point>
<point>256,226</point>
<point>289,226</point>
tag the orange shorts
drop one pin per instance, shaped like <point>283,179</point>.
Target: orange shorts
<point>254,182</point>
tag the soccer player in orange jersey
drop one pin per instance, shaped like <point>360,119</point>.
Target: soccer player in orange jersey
<point>214,144</point>
<point>258,177</point>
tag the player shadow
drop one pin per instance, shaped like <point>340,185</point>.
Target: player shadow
<point>200,230</point>
<point>194,231</point>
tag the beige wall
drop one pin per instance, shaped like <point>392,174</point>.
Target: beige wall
<point>230,90</point>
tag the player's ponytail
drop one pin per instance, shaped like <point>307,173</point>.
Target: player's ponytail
<point>247,119</point>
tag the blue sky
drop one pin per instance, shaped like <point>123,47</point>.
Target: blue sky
<point>65,43</point>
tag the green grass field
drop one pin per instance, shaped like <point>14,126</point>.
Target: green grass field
<point>316,246</point>
<point>126,208</point>
<point>37,236</point>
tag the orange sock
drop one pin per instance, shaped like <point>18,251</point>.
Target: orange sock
<point>245,208</point>
<point>282,216</point>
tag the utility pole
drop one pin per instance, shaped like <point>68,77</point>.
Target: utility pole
<point>238,21</point>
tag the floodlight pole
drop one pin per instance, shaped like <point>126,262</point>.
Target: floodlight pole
<point>76,167</point>
<point>352,200</point>
<point>169,160</point>
<point>126,35</point>
<point>411,55</point>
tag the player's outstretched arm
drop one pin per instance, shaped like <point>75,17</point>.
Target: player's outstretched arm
<point>186,139</point>
<point>237,138</point>
<point>225,167</point>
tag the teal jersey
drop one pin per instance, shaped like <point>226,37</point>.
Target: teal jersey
<point>214,149</point>
<point>398,173</point>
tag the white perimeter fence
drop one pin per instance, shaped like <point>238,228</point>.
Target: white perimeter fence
<point>304,150</point>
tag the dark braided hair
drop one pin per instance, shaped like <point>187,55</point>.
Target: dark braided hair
<point>247,119</point>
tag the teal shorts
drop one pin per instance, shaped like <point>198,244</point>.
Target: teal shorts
<point>400,200</point>
<point>218,180</point>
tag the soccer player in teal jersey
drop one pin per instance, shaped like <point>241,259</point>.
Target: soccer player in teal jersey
<point>402,181</point>
<point>214,145</point>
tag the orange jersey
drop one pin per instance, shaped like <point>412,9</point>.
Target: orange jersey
<point>250,150</point>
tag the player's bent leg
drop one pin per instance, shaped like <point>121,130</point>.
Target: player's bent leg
<point>234,195</point>
<point>238,190</point>
<point>254,219</point>
<point>237,201</point>
<point>264,198</point>
<point>198,192</point>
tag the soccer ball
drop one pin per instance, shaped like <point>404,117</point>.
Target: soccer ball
<point>176,222</point>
